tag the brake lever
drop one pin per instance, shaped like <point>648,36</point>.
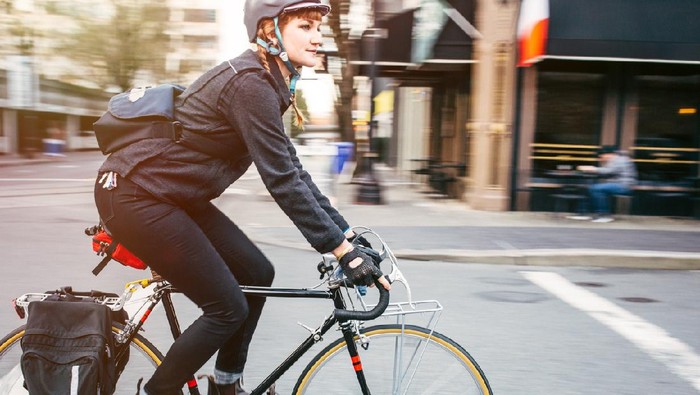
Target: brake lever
<point>324,267</point>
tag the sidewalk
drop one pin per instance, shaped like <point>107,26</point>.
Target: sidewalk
<point>420,227</point>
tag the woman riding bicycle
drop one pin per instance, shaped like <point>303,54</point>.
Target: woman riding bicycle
<point>154,196</point>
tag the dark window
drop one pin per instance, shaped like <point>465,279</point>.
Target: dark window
<point>668,127</point>
<point>569,116</point>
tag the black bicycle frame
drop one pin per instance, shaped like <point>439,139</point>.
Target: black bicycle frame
<point>315,337</point>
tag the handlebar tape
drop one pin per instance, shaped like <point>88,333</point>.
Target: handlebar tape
<point>347,315</point>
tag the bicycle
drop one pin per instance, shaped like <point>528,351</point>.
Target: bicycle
<point>393,358</point>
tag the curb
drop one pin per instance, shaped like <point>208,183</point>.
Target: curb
<point>629,259</point>
<point>657,260</point>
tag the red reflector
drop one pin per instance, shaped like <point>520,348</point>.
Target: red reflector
<point>18,309</point>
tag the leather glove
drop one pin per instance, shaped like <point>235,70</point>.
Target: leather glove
<point>363,274</point>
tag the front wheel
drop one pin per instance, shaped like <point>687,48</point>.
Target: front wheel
<point>396,360</point>
<point>142,362</point>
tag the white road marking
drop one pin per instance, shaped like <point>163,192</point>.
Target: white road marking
<point>678,357</point>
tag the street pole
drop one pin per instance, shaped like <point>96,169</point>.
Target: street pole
<point>369,190</point>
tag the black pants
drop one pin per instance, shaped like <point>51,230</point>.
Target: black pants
<point>204,255</point>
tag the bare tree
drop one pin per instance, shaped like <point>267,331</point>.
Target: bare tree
<point>128,38</point>
<point>21,36</point>
<point>24,37</point>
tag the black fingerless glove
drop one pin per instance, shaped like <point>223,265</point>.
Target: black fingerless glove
<point>365,273</point>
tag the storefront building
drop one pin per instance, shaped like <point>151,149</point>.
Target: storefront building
<point>540,86</point>
<point>45,116</point>
<point>614,72</point>
<point>425,59</point>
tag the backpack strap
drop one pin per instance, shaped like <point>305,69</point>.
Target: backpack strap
<point>201,143</point>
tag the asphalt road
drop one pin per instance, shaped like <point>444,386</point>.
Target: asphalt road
<point>533,330</point>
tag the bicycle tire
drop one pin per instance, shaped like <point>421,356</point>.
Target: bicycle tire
<point>144,357</point>
<point>428,362</point>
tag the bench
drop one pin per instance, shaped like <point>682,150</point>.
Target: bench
<point>642,198</point>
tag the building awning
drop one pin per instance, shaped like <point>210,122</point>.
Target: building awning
<point>661,31</point>
<point>450,43</point>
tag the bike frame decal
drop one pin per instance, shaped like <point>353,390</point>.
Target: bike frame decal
<point>145,316</point>
<point>356,363</point>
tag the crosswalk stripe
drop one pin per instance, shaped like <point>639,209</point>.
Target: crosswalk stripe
<point>678,357</point>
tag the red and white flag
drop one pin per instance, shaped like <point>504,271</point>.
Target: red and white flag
<point>532,31</point>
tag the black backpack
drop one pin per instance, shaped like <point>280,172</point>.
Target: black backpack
<point>68,348</point>
<point>149,113</point>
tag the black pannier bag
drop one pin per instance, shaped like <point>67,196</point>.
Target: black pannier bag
<point>68,349</point>
<point>146,113</point>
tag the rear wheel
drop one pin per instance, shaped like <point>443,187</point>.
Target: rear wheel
<point>144,357</point>
<point>397,360</point>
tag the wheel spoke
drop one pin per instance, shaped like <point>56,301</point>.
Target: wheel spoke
<point>397,361</point>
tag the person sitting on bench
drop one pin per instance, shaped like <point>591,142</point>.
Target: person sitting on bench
<point>617,175</point>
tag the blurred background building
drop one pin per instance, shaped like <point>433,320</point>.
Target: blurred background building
<point>62,60</point>
<point>480,100</point>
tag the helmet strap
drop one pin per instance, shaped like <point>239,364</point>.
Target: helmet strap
<point>282,53</point>
<point>269,46</point>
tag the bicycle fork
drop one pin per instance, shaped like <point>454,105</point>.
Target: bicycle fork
<point>349,336</point>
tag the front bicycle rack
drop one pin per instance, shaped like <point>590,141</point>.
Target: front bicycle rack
<point>432,309</point>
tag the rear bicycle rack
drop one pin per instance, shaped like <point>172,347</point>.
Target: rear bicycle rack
<point>22,302</point>
<point>115,303</point>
